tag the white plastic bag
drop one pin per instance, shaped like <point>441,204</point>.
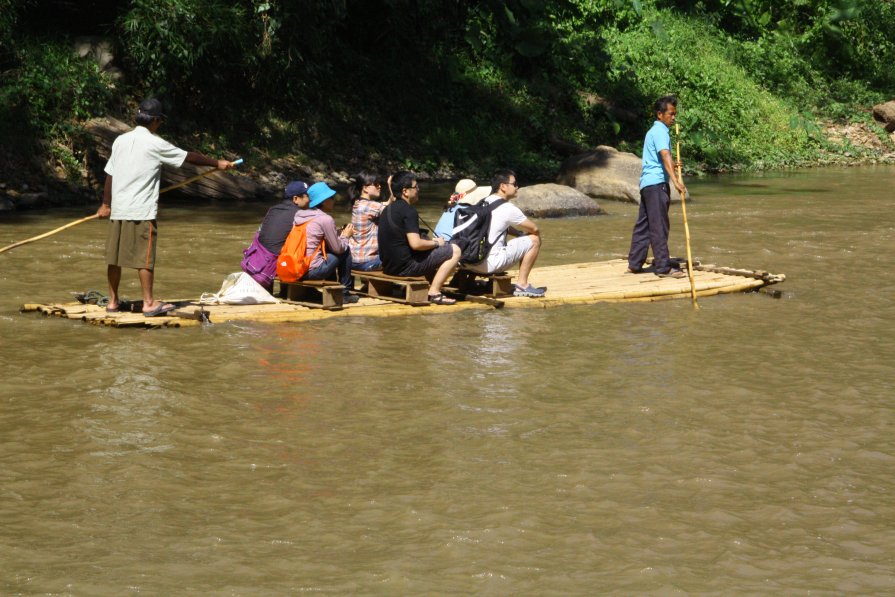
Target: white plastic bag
<point>238,289</point>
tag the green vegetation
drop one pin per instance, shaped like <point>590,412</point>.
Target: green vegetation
<point>453,85</point>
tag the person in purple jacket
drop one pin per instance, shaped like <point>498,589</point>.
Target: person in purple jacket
<point>322,228</point>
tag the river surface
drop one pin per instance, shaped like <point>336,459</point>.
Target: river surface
<point>630,449</point>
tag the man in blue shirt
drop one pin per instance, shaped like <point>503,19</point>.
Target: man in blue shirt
<point>651,228</point>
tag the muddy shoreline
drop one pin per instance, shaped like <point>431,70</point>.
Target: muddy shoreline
<point>28,184</point>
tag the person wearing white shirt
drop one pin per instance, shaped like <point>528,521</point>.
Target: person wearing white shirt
<point>130,201</point>
<point>523,249</point>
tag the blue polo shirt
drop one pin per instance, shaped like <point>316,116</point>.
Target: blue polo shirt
<point>657,139</point>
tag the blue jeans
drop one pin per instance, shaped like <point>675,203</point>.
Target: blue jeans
<point>368,266</point>
<point>332,262</point>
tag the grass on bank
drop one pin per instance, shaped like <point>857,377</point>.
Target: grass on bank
<point>745,105</point>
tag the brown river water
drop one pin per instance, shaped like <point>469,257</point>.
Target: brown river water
<point>630,449</point>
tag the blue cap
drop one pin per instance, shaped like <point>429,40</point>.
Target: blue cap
<point>319,192</point>
<point>296,187</point>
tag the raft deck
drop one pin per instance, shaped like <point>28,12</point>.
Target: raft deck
<point>572,284</point>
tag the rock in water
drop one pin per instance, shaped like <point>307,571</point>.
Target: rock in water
<point>606,173</point>
<point>555,201</point>
<point>885,115</point>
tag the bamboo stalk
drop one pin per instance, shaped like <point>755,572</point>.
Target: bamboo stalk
<point>677,132</point>
<point>46,234</point>
<point>95,216</point>
<point>599,285</point>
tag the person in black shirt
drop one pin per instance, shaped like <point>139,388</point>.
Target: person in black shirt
<point>277,224</point>
<point>403,251</point>
<point>260,260</point>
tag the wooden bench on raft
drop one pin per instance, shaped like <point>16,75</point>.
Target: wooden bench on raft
<point>497,284</point>
<point>324,293</point>
<point>409,290</point>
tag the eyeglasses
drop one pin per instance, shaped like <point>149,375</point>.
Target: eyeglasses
<point>515,184</point>
<point>374,184</point>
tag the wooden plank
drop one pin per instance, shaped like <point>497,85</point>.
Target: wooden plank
<point>415,289</point>
<point>392,299</point>
<point>498,283</point>
<point>473,298</point>
<point>329,292</point>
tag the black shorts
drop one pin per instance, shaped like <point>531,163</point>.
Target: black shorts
<point>427,263</point>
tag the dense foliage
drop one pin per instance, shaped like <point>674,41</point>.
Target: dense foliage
<point>457,83</point>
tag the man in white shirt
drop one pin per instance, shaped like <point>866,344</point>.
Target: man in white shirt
<point>509,219</point>
<point>130,200</point>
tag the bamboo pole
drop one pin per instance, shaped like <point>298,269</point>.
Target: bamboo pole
<point>194,178</point>
<point>677,132</point>
<point>46,234</point>
<point>95,216</point>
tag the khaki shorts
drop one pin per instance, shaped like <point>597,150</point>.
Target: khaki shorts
<point>505,257</point>
<point>132,243</point>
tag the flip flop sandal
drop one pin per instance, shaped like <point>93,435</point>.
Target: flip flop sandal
<point>440,299</point>
<point>160,310</point>
<point>675,273</point>
<point>113,309</point>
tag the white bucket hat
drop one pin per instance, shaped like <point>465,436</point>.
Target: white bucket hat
<point>470,193</point>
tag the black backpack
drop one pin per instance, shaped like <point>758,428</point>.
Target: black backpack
<point>471,226</point>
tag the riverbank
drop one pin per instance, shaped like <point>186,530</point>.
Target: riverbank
<point>35,183</point>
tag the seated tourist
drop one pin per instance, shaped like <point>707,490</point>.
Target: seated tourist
<point>261,257</point>
<point>322,228</point>
<point>509,219</point>
<point>364,194</point>
<point>403,251</point>
<point>466,192</point>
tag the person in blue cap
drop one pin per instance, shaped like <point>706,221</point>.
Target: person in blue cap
<point>322,229</point>
<point>277,224</point>
<point>260,259</point>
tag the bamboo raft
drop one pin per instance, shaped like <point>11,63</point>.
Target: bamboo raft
<point>572,284</point>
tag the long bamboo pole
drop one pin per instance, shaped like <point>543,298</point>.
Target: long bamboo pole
<point>95,216</point>
<point>677,132</point>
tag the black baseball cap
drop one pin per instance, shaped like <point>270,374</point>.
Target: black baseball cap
<point>151,107</point>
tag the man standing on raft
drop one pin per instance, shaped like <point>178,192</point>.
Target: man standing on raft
<point>130,200</point>
<point>651,228</point>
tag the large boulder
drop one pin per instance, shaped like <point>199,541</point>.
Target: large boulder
<point>555,201</point>
<point>885,115</point>
<point>606,173</point>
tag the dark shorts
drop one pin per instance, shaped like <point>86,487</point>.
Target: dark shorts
<point>132,243</point>
<point>427,263</point>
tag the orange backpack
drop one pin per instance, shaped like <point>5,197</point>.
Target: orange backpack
<point>293,263</point>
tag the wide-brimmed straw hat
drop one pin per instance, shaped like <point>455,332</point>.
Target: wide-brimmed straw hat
<point>470,193</point>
